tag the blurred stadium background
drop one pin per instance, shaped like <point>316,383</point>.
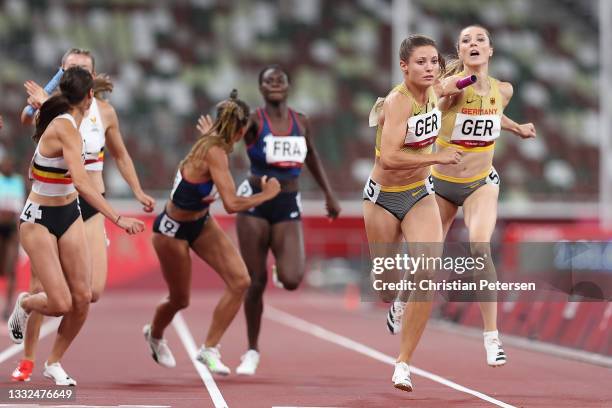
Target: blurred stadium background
<point>173,60</point>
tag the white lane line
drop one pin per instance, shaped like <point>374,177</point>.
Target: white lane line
<point>185,335</point>
<point>304,326</point>
<point>47,328</point>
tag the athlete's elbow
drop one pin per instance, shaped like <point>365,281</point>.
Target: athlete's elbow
<point>231,207</point>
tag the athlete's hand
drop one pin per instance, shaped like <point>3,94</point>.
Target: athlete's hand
<point>270,186</point>
<point>205,123</point>
<point>449,155</point>
<point>148,202</point>
<point>211,198</point>
<point>130,225</point>
<point>36,93</point>
<point>447,87</point>
<point>332,206</point>
<point>526,131</point>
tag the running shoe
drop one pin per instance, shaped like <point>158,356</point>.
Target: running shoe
<point>211,358</point>
<point>394,317</point>
<point>17,321</point>
<point>23,372</point>
<point>159,349</point>
<point>56,373</point>
<point>401,377</point>
<point>275,281</point>
<point>248,363</point>
<point>496,356</point>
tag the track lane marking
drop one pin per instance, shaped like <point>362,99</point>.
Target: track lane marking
<point>185,335</point>
<point>304,326</point>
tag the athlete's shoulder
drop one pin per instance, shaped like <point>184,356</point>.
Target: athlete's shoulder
<point>104,106</point>
<point>506,89</point>
<point>301,116</point>
<point>397,98</point>
<point>107,111</point>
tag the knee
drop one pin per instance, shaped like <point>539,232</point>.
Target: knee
<point>291,283</point>
<point>241,284</point>
<point>179,302</point>
<point>480,249</point>
<point>95,296</point>
<point>59,306</point>
<point>81,299</point>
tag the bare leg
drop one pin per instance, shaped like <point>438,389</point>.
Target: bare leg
<point>175,263</point>
<point>96,239</point>
<point>254,239</point>
<point>423,232</point>
<point>287,245</point>
<point>215,248</point>
<point>480,210</point>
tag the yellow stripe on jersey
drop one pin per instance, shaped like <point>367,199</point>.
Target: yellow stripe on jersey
<point>398,189</point>
<point>462,180</point>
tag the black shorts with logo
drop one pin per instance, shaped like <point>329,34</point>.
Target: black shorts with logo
<point>185,230</point>
<point>284,207</point>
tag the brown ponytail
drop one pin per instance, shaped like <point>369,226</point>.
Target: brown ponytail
<point>232,115</point>
<point>102,84</point>
<point>53,107</point>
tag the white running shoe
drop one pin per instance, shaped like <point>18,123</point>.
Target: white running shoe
<point>394,317</point>
<point>56,373</point>
<point>249,363</point>
<point>401,377</point>
<point>496,356</point>
<point>159,349</point>
<point>275,281</point>
<point>18,320</point>
<point>211,358</point>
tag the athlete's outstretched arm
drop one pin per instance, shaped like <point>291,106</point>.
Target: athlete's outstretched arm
<point>397,108</point>
<point>318,172</point>
<point>218,164</point>
<point>447,92</point>
<point>116,147</point>
<point>71,151</point>
<point>525,130</point>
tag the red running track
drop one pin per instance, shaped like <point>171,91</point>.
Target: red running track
<point>343,361</point>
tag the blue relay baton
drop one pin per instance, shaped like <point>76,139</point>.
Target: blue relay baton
<point>49,88</point>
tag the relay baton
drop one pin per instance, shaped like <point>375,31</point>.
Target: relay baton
<point>49,88</point>
<point>465,82</point>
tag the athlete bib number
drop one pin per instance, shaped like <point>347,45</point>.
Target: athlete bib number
<point>493,178</point>
<point>371,190</point>
<point>476,130</point>
<point>31,212</point>
<point>423,129</point>
<point>168,226</point>
<point>285,151</point>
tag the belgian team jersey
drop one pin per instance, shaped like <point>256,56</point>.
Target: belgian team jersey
<point>474,122</point>
<point>421,128</point>
<point>277,154</point>
<point>50,175</point>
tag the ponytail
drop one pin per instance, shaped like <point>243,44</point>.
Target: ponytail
<point>453,67</point>
<point>53,107</point>
<point>102,83</point>
<point>232,115</point>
